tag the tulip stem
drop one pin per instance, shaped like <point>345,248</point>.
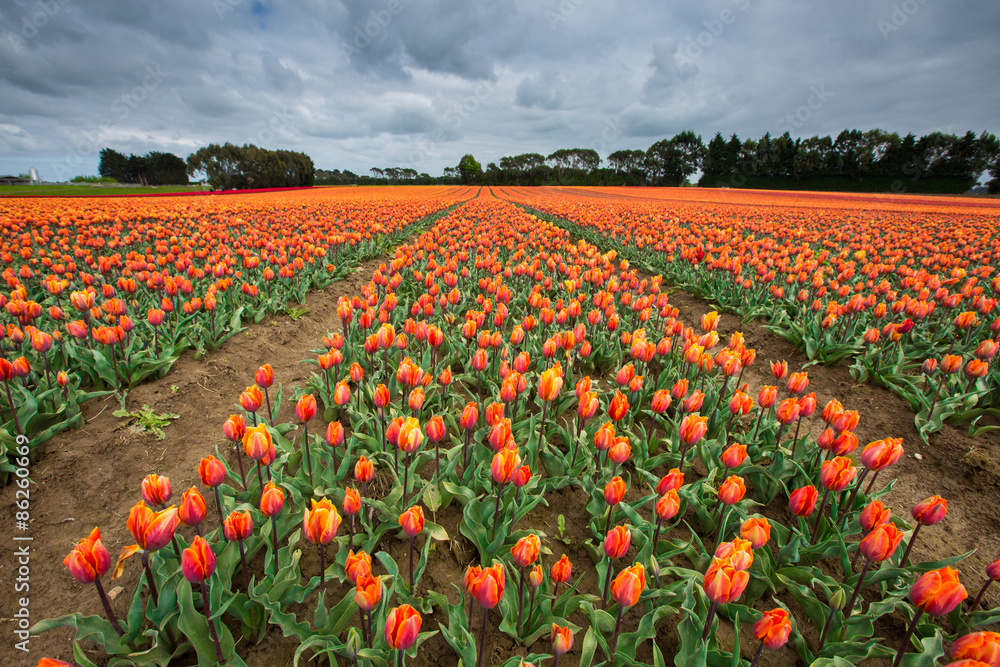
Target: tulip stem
<point>207,608</point>
<point>118,627</point>
<point>239,458</point>
<point>819,514</point>
<point>826,629</point>
<point>10,399</point>
<point>979,597</point>
<point>614,637</point>
<point>857,487</point>
<point>607,582</point>
<point>656,535</point>
<point>322,563</point>
<point>909,545</point>
<point>267,400</point>
<point>274,538</point>
<point>872,482</point>
<point>218,506</point>
<point>520,599</point>
<point>305,450</point>
<point>708,620</point>
<point>496,514</point>
<point>149,579</point>
<point>412,592</point>
<point>541,436</point>
<point>857,589</point>
<point>482,638</point>
<point>906,639</point>
<point>760,651</point>
<point>243,563</point>
<point>406,478</point>
<point>465,453</point>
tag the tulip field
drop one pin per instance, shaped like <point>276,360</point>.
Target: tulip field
<point>514,426</point>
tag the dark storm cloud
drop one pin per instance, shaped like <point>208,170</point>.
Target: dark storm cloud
<point>362,83</point>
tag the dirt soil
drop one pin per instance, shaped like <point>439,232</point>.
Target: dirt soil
<point>90,477</point>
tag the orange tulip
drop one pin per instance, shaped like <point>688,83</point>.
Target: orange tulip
<point>412,520</point>
<point>357,565</point>
<point>198,561</point>
<point>732,490</point>
<point>617,542</point>
<point>487,586</point>
<point>738,552</point>
<point>402,627</point>
<point>881,542</point>
<point>155,489</point>
<point>364,470</point>
<point>628,585</point>
<point>238,526</point>
<point>561,570</point>
<point>410,437</point>
<point>505,465</point>
<point>723,583</point>
<point>619,407</point>
<point>89,559</point>
<point>212,472</point>
<point>257,442</point>
<point>192,510</point>
<point>757,531</point>
<point>550,384</point>
<point>693,429</point>
<point>668,505</point>
<point>272,500</point>
<point>982,646</point>
<point>674,479</point>
<point>320,522</point>
<point>802,501</point>
<point>368,592</point>
<point>938,592</point>
<point>562,639</point>
<point>773,629</point>
<point>152,530</point>
<point>526,550</point>
<point>930,510</point>
<point>837,474</point>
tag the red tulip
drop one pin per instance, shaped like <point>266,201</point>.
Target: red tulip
<point>155,489</point>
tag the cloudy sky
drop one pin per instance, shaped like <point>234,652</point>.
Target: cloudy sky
<point>418,83</point>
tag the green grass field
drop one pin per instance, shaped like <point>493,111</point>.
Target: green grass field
<point>89,190</point>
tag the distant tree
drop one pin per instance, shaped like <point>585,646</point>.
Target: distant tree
<point>469,170</point>
<point>671,161</point>
<point>236,167</point>
<point>113,165</point>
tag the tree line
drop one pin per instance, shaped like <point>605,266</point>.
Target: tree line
<point>153,168</point>
<point>867,161</point>
<point>229,167</point>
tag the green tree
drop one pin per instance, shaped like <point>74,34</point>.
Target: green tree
<point>469,170</point>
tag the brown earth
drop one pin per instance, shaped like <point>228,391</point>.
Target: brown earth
<point>91,477</point>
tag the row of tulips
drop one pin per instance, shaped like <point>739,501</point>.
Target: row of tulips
<point>586,385</point>
<point>105,294</point>
<point>914,314</point>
